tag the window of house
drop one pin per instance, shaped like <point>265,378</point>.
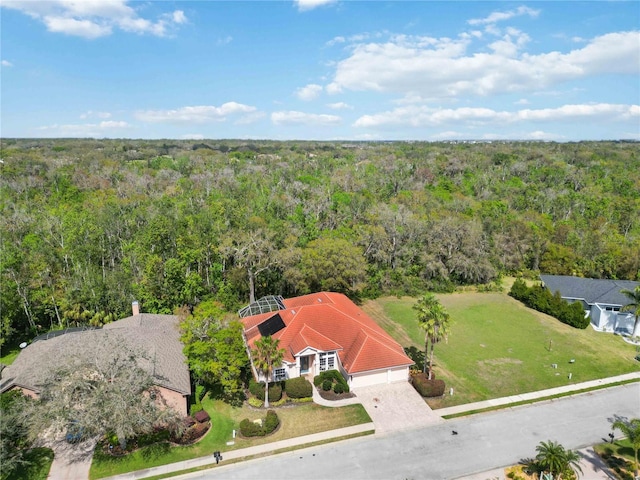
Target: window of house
<point>280,374</point>
<point>327,361</point>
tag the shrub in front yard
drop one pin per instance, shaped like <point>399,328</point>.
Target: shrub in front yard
<point>298,387</point>
<point>338,388</point>
<point>257,390</point>
<point>428,388</point>
<point>327,384</point>
<point>271,422</point>
<point>251,429</point>
<point>333,376</point>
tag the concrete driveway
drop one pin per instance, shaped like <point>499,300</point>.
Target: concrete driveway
<point>70,461</point>
<point>396,406</point>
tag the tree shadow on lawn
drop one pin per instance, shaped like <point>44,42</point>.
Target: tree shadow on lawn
<point>156,450</point>
<point>39,462</point>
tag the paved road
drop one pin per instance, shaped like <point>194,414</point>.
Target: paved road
<point>484,441</point>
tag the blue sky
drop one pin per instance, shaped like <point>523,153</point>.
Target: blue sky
<point>320,70</point>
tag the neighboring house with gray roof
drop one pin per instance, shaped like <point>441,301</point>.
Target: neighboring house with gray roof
<point>156,335</point>
<point>601,299</point>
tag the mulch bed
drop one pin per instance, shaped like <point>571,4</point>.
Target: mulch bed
<point>190,436</point>
<point>332,396</point>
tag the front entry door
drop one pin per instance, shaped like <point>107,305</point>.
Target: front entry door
<point>304,364</point>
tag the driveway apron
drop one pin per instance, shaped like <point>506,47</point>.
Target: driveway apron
<point>71,461</point>
<point>396,406</point>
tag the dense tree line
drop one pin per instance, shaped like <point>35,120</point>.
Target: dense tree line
<point>90,225</point>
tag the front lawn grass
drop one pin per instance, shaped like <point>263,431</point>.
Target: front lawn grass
<point>497,347</point>
<point>295,421</point>
<point>37,466</point>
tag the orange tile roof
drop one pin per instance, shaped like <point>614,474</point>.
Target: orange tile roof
<point>329,321</point>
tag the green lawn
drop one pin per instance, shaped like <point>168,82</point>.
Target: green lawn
<point>497,347</point>
<point>618,456</point>
<point>297,420</point>
<point>9,354</point>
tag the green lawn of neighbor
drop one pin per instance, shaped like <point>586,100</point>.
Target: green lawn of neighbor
<point>8,354</point>
<point>497,347</point>
<point>296,420</point>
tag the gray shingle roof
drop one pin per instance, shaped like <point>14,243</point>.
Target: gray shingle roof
<point>590,290</point>
<point>157,335</point>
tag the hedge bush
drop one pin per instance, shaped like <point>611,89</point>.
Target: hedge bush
<point>271,422</point>
<point>251,429</point>
<point>428,388</point>
<point>333,376</point>
<point>327,384</point>
<point>338,388</point>
<point>541,299</point>
<point>257,390</point>
<point>298,387</point>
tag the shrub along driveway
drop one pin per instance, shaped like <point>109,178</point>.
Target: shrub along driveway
<point>396,406</point>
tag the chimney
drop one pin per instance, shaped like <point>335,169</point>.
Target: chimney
<point>135,308</point>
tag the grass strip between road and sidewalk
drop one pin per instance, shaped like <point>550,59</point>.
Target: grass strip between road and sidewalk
<point>274,452</point>
<point>536,400</point>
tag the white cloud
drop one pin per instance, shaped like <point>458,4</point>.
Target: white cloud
<point>224,40</point>
<point>195,114</point>
<point>522,101</point>
<point>422,116</point>
<point>301,118</point>
<point>309,92</point>
<point>92,114</point>
<point>501,16</point>
<point>7,63</point>
<point>443,68</point>
<point>335,41</point>
<point>179,17</point>
<point>304,5</point>
<point>192,136</point>
<point>103,129</point>
<point>80,28</point>
<point>339,106</point>
<point>95,18</point>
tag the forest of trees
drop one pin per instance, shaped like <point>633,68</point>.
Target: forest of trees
<point>90,225</point>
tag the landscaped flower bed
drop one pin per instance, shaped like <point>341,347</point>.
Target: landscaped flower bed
<point>194,431</point>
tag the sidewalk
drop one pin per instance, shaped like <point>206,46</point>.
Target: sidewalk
<point>527,397</point>
<point>297,442</point>
<point>301,442</point>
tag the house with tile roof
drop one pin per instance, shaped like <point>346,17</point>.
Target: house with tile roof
<point>157,335</point>
<point>601,300</point>
<point>327,331</point>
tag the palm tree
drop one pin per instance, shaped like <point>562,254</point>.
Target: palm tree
<point>266,355</point>
<point>435,321</point>
<point>550,457</point>
<point>631,430</point>
<point>633,306</point>
<point>554,459</point>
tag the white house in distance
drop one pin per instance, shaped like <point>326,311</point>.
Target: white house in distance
<point>326,331</point>
<point>601,300</point>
